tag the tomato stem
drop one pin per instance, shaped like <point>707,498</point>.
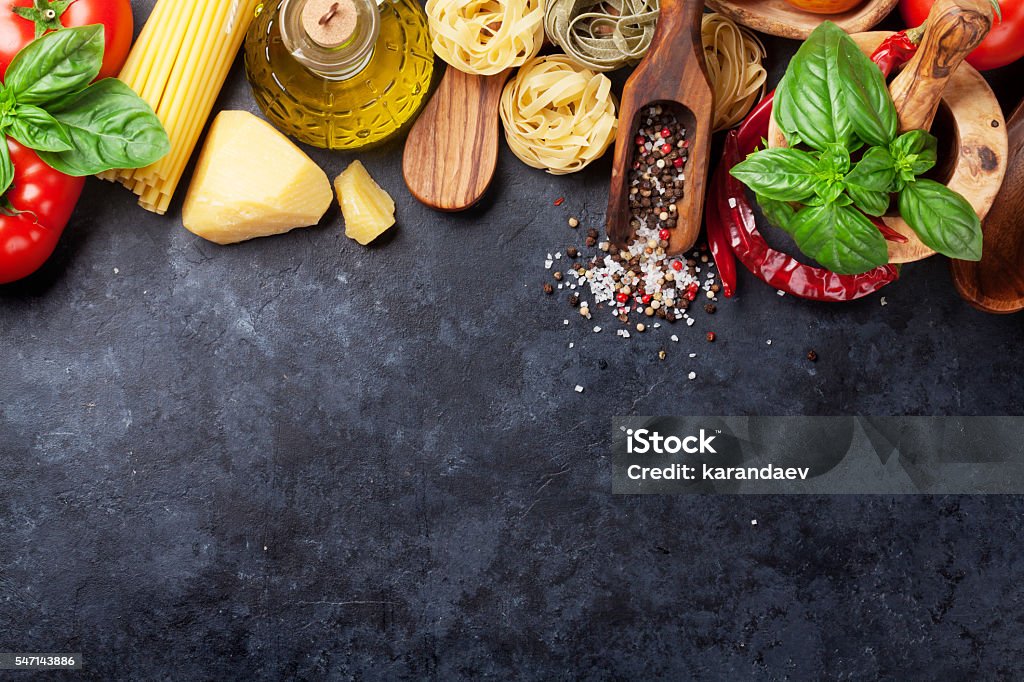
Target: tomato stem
<point>45,14</point>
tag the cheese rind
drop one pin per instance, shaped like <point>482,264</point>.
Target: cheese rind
<point>368,210</point>
<point>251,181</point>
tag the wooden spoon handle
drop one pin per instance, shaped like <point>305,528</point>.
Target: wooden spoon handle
<point>954,29</point>
<point>452,149</point>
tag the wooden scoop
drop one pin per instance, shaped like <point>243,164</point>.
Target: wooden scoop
<point>954,29</point>
<point>995,284</point>
<point>452,149</point>
<point>673,74</point>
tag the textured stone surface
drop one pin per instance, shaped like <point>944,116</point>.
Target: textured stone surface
<point>296,456</point>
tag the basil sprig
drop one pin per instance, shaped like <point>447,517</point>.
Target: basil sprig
<point>832,101</point>
<point>48,104</point>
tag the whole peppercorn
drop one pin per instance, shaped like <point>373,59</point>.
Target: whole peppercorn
<point>574,300</point>
<point>710,308</point>
<point>662,354</point>
<point>710,337</point>
<point>557,275</point>
<point>572,252</point>
<point>591,242</point>
<point>548,289</point>
<point>812,356</point>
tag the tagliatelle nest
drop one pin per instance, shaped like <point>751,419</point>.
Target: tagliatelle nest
<point>486,37</point>
<point>558,115</point>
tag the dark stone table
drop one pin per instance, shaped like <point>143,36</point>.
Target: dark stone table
<point>298,457</point>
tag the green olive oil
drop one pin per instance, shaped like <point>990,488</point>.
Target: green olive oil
<point>339,75</point>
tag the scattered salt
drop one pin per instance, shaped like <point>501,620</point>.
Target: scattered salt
<point>691,376</point>
<point>579,389</point>
<point>674,338</point>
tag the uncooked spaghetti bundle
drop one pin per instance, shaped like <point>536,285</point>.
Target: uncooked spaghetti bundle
<point>178,65</point>
<point>558,115</point>
<point>486,36</point>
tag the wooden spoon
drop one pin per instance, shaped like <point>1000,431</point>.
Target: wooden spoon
<point>673,74</point>
<point>954,29</point>
<point>452,149</point>
<point>995,284</point>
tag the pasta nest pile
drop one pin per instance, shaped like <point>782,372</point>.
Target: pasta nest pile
<point>558,115</point>
<point>485,37</point>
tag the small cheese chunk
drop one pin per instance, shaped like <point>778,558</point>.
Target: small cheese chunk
<point>368,210</point>
<point>251,181</point>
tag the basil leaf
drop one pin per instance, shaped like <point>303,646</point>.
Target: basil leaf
<point>914,152</point>
<point>36,129</point>
<point>58,64</point>
<point>777,213</point>
<point>783,174</point>
<point>868,102</point>
<point>811,101</point>
<point>110,127</point>
<point>6,166</point>
<point>943,219</point>
<point>841,238</point>
<point>871,181</point>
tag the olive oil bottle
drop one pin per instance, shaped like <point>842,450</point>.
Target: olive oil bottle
<point>339,74</point>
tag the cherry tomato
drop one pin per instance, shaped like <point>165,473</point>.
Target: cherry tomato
<point>1003,45</point>
<point>116,16</point>
<point>41,200</point>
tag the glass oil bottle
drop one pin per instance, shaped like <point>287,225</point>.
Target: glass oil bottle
<point>339,74</point>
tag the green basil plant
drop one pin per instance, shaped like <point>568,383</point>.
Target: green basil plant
<point>49,103</point>
<point>831,104</point>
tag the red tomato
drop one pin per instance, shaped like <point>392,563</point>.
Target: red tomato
<point>46,199</point>
<point>116,16</point>
<point>1003,45</point>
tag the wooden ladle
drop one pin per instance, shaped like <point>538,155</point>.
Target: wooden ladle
<point>452,149</point>
<point>673,75</point>
<point>995,284</point>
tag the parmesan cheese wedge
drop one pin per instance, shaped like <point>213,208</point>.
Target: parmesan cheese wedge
<point>368,210</point>
<point>251,181</point>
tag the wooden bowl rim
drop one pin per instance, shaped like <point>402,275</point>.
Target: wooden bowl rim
<point>777,18</point>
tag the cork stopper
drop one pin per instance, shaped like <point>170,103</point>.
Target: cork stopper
<point>329,23</point>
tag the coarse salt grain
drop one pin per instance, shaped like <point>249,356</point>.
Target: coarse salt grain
<point>693,355</point>
<point>780,292</point>
<point>579,389</point>
<point>769,342</point>
<point>884,302</point>
<point>732,202</point>
<point>597,330</point>
<point>571,344</point>
<point>674,338</point>
<point>691,376</point>
<point>689,322</point>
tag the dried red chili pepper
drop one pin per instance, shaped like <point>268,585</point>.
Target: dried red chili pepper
<point>897,49</point>
<point>721,249</point>
<point>887,232</point>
